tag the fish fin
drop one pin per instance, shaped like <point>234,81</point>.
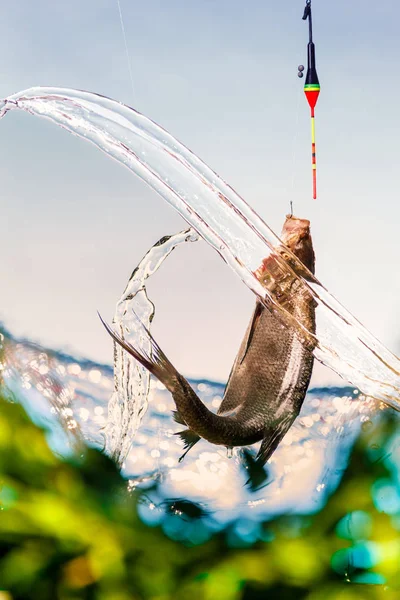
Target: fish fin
<point>176,415</point>
<point>273,436</point>
<point>252,327</point>
<point>156,362</point>
<point>270,443</point>
<point>190,438</point>
<point>257,474</point>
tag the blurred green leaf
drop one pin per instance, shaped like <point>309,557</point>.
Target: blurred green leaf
<point>69,529</point>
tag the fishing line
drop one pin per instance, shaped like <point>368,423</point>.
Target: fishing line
<point>126,49</point>
<point>294,147</point>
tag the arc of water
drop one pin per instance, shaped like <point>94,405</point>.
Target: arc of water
<point>128,404</point>
<point>220,216</point>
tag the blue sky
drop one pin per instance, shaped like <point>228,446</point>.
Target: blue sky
<point>222,77</point>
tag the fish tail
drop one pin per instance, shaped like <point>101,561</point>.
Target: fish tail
<point>191,411</point>
<point>155,361</point>
<point>190,438</point>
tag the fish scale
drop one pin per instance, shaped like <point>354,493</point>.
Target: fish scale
<point>272,370</point>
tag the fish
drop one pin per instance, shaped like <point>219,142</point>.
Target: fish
<point>271,373</point>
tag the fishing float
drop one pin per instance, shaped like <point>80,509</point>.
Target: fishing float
<point>311,90</point>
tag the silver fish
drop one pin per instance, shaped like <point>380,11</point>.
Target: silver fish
<point>272,370</point>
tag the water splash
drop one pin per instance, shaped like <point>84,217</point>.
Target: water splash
<point>129,401</point>
<point>30,367</point>
<point>66,395</point>
<point>303,471</point>
<point>305,468</point>
<point>221,217</point>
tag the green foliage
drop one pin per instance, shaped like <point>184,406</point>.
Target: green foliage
<point>70,530</point>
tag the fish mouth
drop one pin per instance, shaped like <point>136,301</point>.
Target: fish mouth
<point>294,230</point>
<point>293,223</point>
<point>296,236</point>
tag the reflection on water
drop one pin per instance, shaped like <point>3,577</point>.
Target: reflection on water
<point>303,471</point>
